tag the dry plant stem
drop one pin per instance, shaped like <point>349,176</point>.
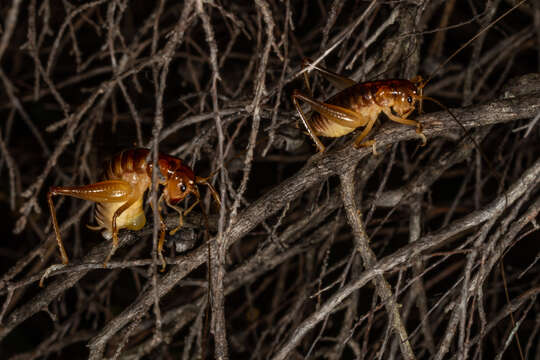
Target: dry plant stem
<point>160,79</point>
<point>13,173</point>
<point>339,38</point>
<point>323,272</point>
<point>44,251</point>
<point>382,183</point>
<point>216,79</point>
<point>470,286</point>
<point>196,331</point>
<point>514,306</point>
<point>51,292</point>
<point>9,26</point>
<point>73,120</point>
<point>314,172</point>
<point>513,333</point>
<point>347,327</point>
<point>423,181</point>
<point>159,74</point>
<point>528,181</point>
<point>262,6</point>
<point>477,48</point>
<point>437,46</point>
<point>409,16</point>
<point>10,90</point>
<point>53,345</point>
<point>219,248</point>
<point>419,291</point>
<point>335,9</point>
<point>458,316</point>
<point>361,240</point>
<point>260,263</point>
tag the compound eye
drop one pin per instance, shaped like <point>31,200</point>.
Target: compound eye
<point>409,99</point>
<point>182,188</point>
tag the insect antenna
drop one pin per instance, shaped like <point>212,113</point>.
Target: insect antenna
<point>204,181</point>
<point>420,84</point>
<point>468,134</point>
<point>471,40</point>
<point>422,97</point>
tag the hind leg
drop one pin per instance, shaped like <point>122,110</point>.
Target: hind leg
<point>340,82</point>
<point>334,113</point>
<point>105,191</point>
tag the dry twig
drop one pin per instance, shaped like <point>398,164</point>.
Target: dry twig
<point>210,82</point>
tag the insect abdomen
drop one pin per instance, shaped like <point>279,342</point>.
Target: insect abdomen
<point>128,161</point>
<point>324,127</point>
<point>358,98</point>
<point>130,166</point>
<point>133,218</point>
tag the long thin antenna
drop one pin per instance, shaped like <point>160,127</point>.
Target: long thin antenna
<point>476,145</point>
<point>470,41</point>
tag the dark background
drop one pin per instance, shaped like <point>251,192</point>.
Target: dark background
<point>83,80</point>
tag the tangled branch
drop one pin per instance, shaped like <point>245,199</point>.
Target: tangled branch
<point>444,233</point>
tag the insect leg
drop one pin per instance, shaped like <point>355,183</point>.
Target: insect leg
<point>340,82</point>
<point>296,94</point>
<point>336,114</point>
<point>403,120</point>
<point>363,134</point>
<point>63,253</point>
<point>204,181</point>
<point>105,191</point>
<point>180,216</point>
<point>162,230</point>
<point>191,207</point>
<point>116,214</point>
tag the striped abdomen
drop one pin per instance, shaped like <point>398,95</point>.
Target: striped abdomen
<point>127,162</point>
<point>358,98</point>
<point>130,166</point>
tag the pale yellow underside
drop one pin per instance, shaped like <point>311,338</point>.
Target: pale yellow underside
<point>335,130</point>
<point>132,218</point>
<point>330,128</point>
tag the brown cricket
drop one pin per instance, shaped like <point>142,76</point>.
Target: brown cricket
<point>119,197</point>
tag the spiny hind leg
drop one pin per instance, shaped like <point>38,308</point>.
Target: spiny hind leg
<point>404,120</point>
<point>340,82</point>
<point>105,191</point>
<point>63,253</point>
<point>295,96</point>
